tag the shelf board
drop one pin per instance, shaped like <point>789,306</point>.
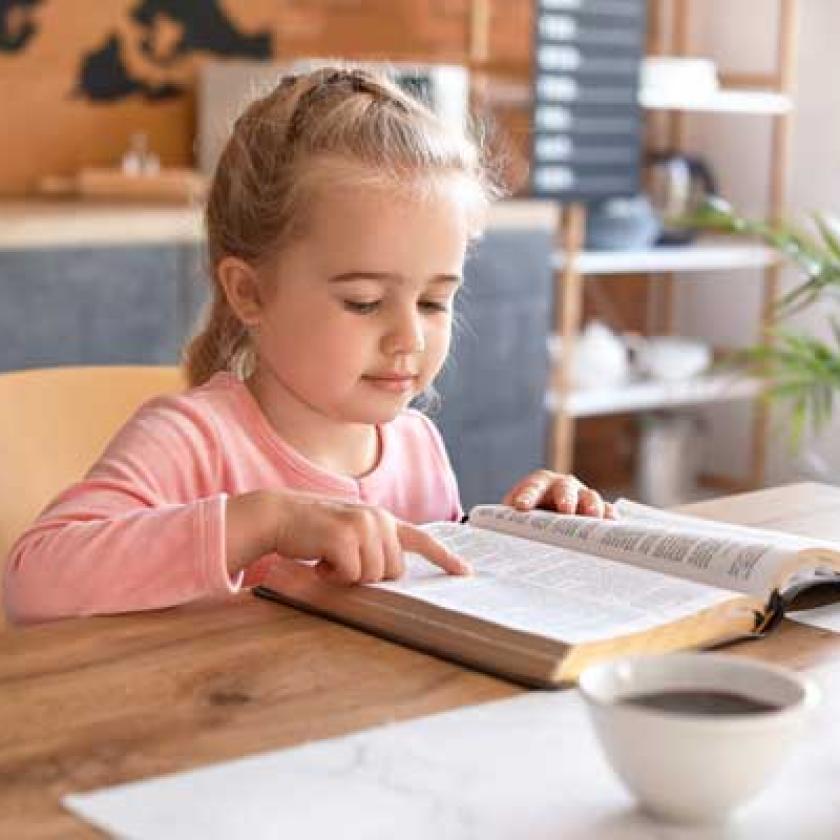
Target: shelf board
<point>652,394</point>
<point>711,254</point>
<point>720,101</point>
<point>518,94</point>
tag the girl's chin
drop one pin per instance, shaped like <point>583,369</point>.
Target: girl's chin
<point>386,410</point>
<point>385,415</point>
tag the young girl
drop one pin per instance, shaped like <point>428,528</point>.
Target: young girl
<point>337,225</point>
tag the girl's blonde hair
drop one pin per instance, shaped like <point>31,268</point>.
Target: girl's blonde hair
<point>265,177</point>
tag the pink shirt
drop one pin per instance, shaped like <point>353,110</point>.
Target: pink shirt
<point>146,527</point>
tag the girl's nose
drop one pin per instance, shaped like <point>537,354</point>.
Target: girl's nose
<point>405,335</point>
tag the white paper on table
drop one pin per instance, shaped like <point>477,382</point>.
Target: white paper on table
<point>526,767</point>
<point>826,617</point>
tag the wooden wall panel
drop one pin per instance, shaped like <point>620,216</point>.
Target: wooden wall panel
<point>55,124</point>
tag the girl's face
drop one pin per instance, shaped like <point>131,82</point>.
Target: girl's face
<point>360,317</point>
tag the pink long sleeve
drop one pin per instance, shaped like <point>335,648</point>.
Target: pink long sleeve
<point>146,527</point>
<point>141,531</point>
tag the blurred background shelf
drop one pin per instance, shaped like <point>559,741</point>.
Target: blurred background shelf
<point>650,427</point>
<point>647,395</point>
<point>704,255</point>
<point>721,101</point>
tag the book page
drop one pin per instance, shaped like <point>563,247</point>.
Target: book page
<point>822,566</point>
<point>555,592</point>
<point>720,558</point>
<point>636,512</point>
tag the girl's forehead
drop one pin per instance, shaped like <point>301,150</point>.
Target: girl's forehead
<point>409,233</point>
<point>377,217</point>
<point>396,187</point>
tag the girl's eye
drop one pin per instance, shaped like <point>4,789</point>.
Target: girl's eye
<point>361,306</point>
<point>434,305</point>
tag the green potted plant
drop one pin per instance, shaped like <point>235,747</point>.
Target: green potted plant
<point>801,370</point>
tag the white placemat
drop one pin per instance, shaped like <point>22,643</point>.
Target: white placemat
<point>527,768</point>
<point>826,618</point>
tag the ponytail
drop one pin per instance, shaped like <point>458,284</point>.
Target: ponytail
<point>221,345</point>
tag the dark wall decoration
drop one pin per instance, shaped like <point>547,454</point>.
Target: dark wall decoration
<point>78,78</point>
<point>163,33</point>
<point>17,25</point>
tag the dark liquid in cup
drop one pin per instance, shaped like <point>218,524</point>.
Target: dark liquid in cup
<point>696,702</point>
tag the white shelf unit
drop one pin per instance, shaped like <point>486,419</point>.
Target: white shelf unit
<point>720,101</point>
<point>647,394</point>
<point>709,254</point>
<point>569,404</point>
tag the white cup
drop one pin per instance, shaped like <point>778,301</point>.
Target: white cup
<point>694,768</point>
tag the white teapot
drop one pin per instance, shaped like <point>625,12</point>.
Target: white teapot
<point>600,358</point>
<point>604,359</point>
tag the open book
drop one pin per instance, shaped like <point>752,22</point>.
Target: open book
<point>553,593</point>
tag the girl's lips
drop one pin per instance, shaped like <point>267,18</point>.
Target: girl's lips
<point>396,383</point>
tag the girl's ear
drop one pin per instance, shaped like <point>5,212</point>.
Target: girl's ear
<point>241,287</point>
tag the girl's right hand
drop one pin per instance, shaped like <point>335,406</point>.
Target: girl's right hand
<point>355,543</point>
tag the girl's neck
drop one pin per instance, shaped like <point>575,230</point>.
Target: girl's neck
<point>344,448</point>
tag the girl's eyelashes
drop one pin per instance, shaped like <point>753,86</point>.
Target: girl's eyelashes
<point>434,305</point>
<point>361,306</point>
<point>364,307</point>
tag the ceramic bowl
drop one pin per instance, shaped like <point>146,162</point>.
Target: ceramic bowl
<point>694,768</point>
<point>671,358</point>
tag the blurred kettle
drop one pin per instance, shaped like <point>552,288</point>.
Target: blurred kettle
<point>678,184</point>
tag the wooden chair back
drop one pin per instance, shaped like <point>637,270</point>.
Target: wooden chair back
<point>55,422</point>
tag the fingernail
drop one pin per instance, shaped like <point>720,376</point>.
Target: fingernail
<point>466,568</point>
<point>527,497</point>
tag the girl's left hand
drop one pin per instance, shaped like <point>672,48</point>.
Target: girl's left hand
<point>563,493</point>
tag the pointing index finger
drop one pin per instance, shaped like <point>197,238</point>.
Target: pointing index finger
<point>418,541</point>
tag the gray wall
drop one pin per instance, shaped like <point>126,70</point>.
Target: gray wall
<point>493,417</point>
<point>75,306</point>
<point>122,305</point>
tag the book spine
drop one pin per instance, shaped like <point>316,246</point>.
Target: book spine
<point>768,620</point>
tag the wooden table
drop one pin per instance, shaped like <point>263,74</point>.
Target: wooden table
<point>86,703</point>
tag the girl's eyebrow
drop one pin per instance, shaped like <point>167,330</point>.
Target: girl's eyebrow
<point>387,276</point>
